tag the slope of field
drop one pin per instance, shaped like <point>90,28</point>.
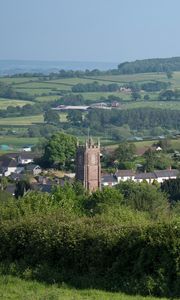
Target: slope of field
<point>28,120</point>
<point>40,87</point>
<point>13,288</point>
<point>4,102</point>
<point>22,120</point>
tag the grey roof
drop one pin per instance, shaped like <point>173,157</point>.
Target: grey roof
<point>26,155</point>
<point>150,175</point>
<point>158,174</point>
<point>108,178</point>
<point>31,167</point>
<point>122,173</point>
<point>166,173</point>
<point>8,162</point>
<point>16,176</point>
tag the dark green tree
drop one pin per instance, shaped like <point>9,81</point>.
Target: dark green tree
<point>22,187</point>
<point>169,74</point>
<point>125,152</point>
<point>150,156</point>
<point>51,117</point>
<point>172,188</point>
<point>75,117</point>
<point>135,96</point>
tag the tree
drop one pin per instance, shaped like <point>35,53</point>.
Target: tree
<point>3,183</point>
<point>60,150</point>
<point>22,187</point>
<point>143,197</point>
<point>169,74</point>
<point>135,96</point>
<point>125,152</point>
<point>51,117</point>
<point>102,201</point>
<point>75,117</point>
<point>146,97</point>
<point>150,157</point>
<point>172,188</point>
<point>165,144</point>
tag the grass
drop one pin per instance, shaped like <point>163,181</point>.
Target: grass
<point>97,95</point>
<point>4,102</point>
<point>13,288</point>
<point>16,80</point>
<point>17,141</point>
<point>47,98</point>
<point>28,120</point>
<point>175,144</point>
<point>41,88</point>
<point>172,105</point>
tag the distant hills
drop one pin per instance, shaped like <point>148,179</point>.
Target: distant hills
<point>150,65</point>
<point>11,67</point>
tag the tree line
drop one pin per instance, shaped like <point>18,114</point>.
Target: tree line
<point>150,65</point>
<point>141,118</point>
<point>7,91</point>
<point>95,87</point>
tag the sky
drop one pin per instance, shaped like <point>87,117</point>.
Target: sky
<point>89,30</point>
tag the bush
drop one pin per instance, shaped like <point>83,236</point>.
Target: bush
<point>128,258</point>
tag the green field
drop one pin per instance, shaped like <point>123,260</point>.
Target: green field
<point>47,98</point>
<point>134,77</point>
<point>22,120</point>
<point>153,104</point>
<point>28,120</point>
<point>17,141</point>
<point>4,102</point>
<point>13,288</point>
<point>17,80</point>
<point>39,87</point>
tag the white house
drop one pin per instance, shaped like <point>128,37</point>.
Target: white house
<point>108,180</point>
<point>159,175</point>
<point>9,166</point>
<point>25,158</point>
<point>123,175</point>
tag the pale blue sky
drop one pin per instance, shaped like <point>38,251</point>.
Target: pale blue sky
<point>89,30</point>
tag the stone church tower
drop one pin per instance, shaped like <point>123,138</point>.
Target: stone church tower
<point>88,166</point>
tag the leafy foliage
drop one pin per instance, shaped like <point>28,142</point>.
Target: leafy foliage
<point>51,117</point>
<point>59,150</point>
<point>150,65</point>
<point>172,188</point>
<point>121,239</point>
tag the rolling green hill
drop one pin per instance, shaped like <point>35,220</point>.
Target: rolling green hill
<point>150,65</point>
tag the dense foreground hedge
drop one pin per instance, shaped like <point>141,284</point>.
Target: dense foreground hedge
<point>130,259</point>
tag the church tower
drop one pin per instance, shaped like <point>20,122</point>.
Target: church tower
<point>88,166</point>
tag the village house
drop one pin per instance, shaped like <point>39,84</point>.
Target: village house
<point>14,162</point>
<point>8,166</point>
<point>123,175</point>
<point>108,180</point>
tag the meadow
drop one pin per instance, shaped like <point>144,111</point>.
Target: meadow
<point>27,120</point>
<point>47,90</point>
<point>20,289</point>
<point>44,90</point>
<point>4,102</point>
